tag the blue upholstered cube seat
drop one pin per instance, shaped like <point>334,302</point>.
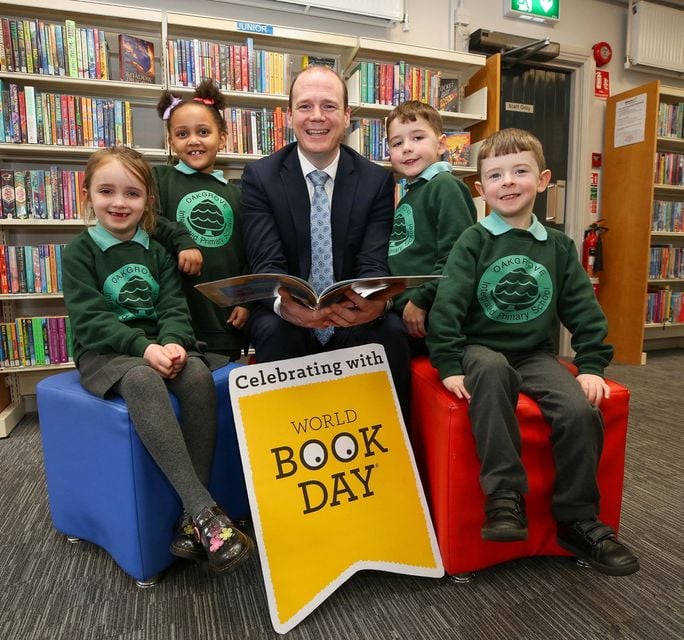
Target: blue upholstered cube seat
<point>103,485</point>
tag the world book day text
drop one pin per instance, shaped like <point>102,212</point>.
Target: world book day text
<point>313,455</point>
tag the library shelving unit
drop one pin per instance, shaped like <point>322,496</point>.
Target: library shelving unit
<point>259,87</point>
<point>41,66</point>
<point>449,64</point>
<point>146,130</point>
<point>632,142</point>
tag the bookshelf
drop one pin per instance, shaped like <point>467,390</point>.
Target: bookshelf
<point>264,93</point>
<point>633,269</point>
<point>375,57</point>
<point>57,82</point>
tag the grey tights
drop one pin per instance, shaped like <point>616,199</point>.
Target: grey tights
<point>183,449</point>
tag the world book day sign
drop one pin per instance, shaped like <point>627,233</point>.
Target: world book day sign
<point>331,477</point>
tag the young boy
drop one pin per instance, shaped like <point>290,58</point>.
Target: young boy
<point>435,211</point>
<point>490,329</point>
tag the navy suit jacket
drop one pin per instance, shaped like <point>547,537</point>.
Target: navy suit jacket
<point>275,215</point>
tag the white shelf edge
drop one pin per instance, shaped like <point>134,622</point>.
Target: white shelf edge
<point>31,296</point>
<point>45,222</point>
<point>42,367</point>
<point>10,416</point>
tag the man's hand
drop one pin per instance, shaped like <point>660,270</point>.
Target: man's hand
<point>238,317</point>
<point>354,309</point>
<point>456,386</point>
<point>190,262</point>
<point>594,387</point>
<point>299,314</point>
<point>414,319</point>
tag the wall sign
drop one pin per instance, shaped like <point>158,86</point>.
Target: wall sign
<point>520,107</point>
<point>255,27</point>
<point>331,477</point>
<point>545,11</point>
<point>601,84</point>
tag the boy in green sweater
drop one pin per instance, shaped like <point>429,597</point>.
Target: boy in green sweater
<point>430,217</point>
<point>508,279</point>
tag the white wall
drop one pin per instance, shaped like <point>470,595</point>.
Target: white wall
<point>583,23</point>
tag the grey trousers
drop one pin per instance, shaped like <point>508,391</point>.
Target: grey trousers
<point>494,381</point>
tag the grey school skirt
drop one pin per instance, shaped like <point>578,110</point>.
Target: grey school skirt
<point>100,372</point>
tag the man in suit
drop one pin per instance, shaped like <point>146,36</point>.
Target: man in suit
<point>277,193</point>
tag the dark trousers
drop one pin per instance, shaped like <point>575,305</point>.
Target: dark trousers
<point>276,339</point>
<point>494,381</point>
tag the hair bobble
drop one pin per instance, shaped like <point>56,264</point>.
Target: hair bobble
<point>208,101</point>
<point>175,101</point>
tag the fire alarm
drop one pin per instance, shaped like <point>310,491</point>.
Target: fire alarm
<point>602,53</point>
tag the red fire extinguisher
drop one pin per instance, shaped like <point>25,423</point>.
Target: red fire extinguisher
<point>592,252</point>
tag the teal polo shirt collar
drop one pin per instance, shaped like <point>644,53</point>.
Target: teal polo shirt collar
<point>105,240</point>
<point>497,226</point>
<point>184,168</point>
<point>431,171</point>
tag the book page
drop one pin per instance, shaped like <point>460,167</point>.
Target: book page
<point>366,287</point>
<point>228,292</point>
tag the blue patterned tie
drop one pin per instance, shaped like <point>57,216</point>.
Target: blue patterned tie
<point>321,243</point>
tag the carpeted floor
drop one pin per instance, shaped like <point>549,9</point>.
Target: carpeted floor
<point>52,590</point>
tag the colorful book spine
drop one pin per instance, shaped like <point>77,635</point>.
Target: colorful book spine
<point>37,274</point>
<point>4,283</point>
<point>71,50</point>
<point>4,339</point>
<point>3,126</point>
<point>31,122</point>
<point>8,194</point>
<point>37,336</point>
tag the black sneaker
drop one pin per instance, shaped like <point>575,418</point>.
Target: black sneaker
<point>506,521</point>
<point>596,544</point>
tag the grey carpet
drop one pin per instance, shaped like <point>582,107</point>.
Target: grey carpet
<point>52,590</point>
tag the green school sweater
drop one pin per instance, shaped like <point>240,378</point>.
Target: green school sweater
<point>123,296</point>
<point>504,289</point>
<point>202,210</point>
<point>428,220</point>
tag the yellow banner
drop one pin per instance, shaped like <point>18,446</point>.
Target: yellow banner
<point>332,481</point>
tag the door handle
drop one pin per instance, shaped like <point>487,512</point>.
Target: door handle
<point>555,202</point>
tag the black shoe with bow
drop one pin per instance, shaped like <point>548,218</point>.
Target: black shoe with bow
<point>597,544</point>
<point>506,521</point>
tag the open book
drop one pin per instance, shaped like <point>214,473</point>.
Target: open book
<point>231,291</point>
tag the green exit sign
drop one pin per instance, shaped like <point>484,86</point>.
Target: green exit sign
<point>533,10</point>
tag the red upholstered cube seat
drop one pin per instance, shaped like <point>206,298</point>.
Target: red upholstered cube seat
<point>445,453</point>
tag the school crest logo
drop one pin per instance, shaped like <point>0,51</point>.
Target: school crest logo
<point>404,230</point>
<point>208,218</point>
<point>131,292</point>
<point>515,289</point>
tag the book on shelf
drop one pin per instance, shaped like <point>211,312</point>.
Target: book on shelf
<point>136,59</point>
<point>8,194</point>
<point>458,148</point>
<point>20,185</point>
<point>324,61</point>
<point>55,119</point>
<point>449,96</point>
<point>228,292</point>
<point>31,341</point>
